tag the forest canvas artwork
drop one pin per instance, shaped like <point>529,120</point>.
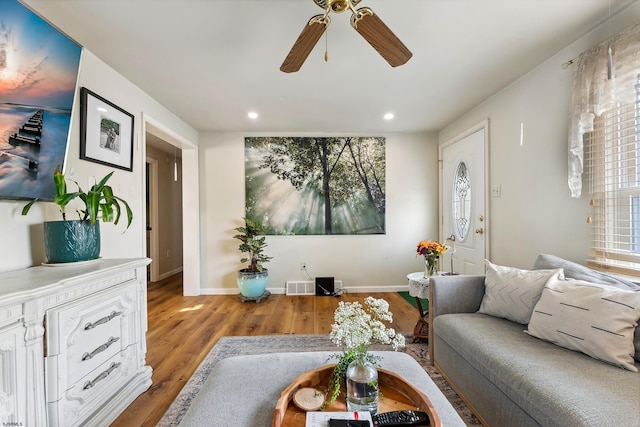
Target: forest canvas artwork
<point>316,185</point>
<point>38,73</point>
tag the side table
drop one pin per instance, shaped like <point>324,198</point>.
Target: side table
<point>419,288</point>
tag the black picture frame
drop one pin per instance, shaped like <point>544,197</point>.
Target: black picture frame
<point>106,132</point>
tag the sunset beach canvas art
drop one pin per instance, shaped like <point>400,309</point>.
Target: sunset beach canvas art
<point>38,77</point>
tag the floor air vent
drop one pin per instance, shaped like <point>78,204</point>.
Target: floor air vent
<point>306,287</point>
<point>302,287</point>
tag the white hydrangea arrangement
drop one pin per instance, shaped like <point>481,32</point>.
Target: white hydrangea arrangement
<point>355,330</point>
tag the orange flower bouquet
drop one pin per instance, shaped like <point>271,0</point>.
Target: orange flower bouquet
<point>431,250</point>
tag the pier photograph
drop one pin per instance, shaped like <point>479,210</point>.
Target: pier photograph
<point>38,78</point>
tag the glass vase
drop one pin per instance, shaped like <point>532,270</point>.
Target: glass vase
<point>362,386</point>
<point>430,267</point>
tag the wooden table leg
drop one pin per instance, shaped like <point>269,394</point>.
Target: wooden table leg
<point>421,330</point>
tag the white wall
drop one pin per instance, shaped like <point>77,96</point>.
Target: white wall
<point>365,262</point>
<point>536,213</point>
<point>21,236</point>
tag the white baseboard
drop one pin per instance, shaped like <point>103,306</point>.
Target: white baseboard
<point>347,289</point>
<point>169,273</point>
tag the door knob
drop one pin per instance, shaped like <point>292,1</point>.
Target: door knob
<point>479,231</point>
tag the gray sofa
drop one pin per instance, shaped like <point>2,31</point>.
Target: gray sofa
<point>510,378</point>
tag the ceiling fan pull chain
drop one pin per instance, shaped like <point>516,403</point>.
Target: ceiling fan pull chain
<point>326,45</point>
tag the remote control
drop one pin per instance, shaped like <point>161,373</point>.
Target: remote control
<point>401,418</point>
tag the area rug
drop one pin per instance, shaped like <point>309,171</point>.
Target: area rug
<point>236,346</point>
<point>412,300</point>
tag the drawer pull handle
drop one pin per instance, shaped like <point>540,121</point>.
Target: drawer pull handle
<point>105,319</point>
<point>100,349</point>
<point>102,376</point>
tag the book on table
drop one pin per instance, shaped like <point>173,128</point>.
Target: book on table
<point>321,419</point>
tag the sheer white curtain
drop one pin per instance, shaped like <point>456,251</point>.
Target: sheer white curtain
<point>593,93</point>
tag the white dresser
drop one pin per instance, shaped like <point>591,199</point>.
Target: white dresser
<point>72,342</point>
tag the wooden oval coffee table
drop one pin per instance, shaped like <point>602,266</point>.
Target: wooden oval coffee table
<point>396,394</point>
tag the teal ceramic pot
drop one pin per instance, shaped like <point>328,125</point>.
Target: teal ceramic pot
<point>252,285</point>
<point>71,241</point>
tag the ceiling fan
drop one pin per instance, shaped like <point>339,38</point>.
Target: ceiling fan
<point>363,20</point>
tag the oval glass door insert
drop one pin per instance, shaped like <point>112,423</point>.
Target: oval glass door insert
<point>461,199</point>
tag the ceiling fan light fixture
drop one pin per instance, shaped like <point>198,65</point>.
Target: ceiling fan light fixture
<point>338,6</point>
<point>324,6</point>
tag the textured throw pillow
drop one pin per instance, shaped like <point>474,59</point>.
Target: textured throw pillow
<point>597,320</point>
<point>511,293</point>
<point>573,270</point>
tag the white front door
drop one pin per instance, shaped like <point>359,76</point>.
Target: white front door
<point>463,204</point>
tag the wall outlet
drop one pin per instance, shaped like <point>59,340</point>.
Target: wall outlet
<point>496,190</point>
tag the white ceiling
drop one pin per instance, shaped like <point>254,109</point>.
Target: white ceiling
<point>211,61</point>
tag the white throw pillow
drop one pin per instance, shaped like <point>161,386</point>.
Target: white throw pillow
<point>597,320</point>
<point>512,293</point>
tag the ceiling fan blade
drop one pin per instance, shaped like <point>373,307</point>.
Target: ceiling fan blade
<point>380,37</point>
<point>305,43</point>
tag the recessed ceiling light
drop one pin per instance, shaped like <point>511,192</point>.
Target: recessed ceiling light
<point>388,116</point>
<point>252,115</point>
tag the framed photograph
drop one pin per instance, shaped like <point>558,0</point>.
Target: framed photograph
<point>106,132</point>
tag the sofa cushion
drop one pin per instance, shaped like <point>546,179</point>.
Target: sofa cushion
<point>573,270</point>
<point>555,386</point>
<point>511,293</point>
<point>598,320</point>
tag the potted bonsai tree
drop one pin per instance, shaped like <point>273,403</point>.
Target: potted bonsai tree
<point>252,280</point>
<point>79,240</point>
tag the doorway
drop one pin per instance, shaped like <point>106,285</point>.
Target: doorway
<point>164,208</point>
<point>180,159</point>
<point>463,202</point>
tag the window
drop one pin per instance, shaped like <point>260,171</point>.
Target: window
<point>604,148</point>
<point>612,181</point>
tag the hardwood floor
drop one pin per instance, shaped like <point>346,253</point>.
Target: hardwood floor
<point>182,330</point>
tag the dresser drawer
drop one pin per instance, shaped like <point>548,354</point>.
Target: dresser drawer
<point>89,393</point>
<point>88,333</point>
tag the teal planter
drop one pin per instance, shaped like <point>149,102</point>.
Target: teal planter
<point>252,285</point>
<point>71,241</point>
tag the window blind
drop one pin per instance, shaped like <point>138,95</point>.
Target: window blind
<point>612,172</point>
